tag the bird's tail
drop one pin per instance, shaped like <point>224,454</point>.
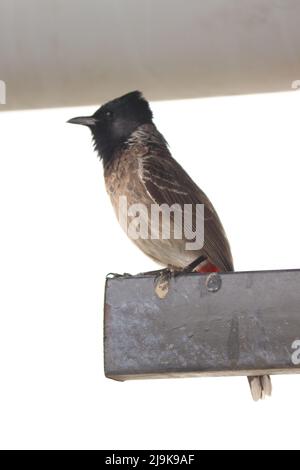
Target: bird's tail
<point>260,386</point>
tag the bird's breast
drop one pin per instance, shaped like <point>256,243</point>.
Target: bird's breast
<point>122,182</point>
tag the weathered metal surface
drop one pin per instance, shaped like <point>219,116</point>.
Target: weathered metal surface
<point>234,324</point>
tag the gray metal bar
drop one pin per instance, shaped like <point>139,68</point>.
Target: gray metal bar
<point>229,324</point>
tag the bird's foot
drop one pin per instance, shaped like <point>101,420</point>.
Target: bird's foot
<point>260,386</point>
<point>156,272</point>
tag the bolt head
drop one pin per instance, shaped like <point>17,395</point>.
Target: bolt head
<point>213,282</point>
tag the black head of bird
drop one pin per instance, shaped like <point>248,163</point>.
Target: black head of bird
<point>114,122</point>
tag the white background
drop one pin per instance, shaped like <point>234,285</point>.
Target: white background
<point>59,238</point>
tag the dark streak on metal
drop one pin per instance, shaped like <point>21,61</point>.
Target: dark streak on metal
<point>233,344</point>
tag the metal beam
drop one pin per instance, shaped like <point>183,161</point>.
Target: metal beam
<point>80,52</point>
<point>243,323</point>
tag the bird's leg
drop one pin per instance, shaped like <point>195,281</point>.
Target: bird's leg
<point>190,267</point>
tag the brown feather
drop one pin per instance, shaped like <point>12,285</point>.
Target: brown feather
<point>154,177</point>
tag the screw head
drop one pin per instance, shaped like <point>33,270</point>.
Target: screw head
<point>213,282</point>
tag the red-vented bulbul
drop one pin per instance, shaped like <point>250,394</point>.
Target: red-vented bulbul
<point>138,164</point>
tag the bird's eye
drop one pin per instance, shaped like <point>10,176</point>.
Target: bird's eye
<point>108,114</point>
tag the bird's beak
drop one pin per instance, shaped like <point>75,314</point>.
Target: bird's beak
<point>83,120</point>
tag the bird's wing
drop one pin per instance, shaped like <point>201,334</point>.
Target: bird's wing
<point>167,182</point>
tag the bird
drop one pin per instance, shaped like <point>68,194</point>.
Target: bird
<point>138,165</point>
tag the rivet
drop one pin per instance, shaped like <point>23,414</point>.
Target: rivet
<point>213,282</point>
